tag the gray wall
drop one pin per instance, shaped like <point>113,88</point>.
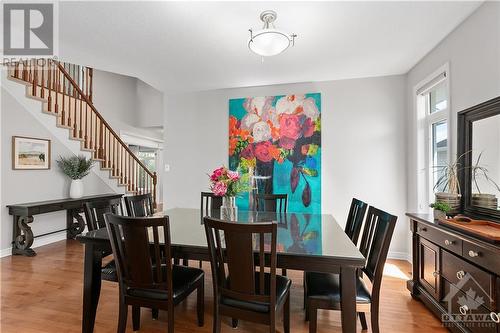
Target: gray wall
<point>363,151</point>
<point>473,53</point>
<point>19,186</point>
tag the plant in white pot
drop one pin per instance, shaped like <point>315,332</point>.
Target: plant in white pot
<point>75,167</point>
<point>440,209</point>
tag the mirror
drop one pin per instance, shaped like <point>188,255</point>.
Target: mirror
<point>485,163</point>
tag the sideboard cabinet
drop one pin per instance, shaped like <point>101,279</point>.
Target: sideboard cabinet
<point>456,276</point>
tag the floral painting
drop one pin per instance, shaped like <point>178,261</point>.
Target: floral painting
<point>275,143</point>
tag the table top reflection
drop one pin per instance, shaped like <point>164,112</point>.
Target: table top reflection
<point>315,235</point>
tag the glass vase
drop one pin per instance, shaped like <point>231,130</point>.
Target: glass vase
<point>229,210</point>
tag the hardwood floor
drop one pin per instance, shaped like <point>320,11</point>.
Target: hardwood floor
<point>44,294</point>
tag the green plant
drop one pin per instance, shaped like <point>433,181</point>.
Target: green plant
<point>75,167</point>
<point>448,179</point>
<point>442,206</point>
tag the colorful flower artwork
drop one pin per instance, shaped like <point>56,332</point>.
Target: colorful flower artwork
<point>275,143</point>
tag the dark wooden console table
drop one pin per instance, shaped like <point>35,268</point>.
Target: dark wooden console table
<point>22,236</point>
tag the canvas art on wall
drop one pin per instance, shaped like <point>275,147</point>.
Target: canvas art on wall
<point>275,142</point>
<point>30,153</point>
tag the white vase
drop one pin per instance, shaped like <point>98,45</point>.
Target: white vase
<point>229,210</point>
<point>76,189</point>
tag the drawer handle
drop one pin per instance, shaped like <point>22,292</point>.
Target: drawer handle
<point>448,242</point>
<point>495,317</point>
<point>473,254</point>
<point>422,229</point>
<point>460,275</point>
<point>463,309</point>
<point>435,273</point>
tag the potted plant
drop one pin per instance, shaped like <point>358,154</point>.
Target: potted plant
<point>479,199</point>
<point>447,186</point>
<point>440,209</point>
<point>75,167</point>
<point>227,184</point>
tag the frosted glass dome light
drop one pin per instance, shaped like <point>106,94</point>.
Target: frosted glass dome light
<point>269,41</point>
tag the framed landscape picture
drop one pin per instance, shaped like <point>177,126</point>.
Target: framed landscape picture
<point>30,153</point>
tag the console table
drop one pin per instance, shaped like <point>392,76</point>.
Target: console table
<point>22,236</point>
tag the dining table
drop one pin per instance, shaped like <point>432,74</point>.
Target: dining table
<point>306,242</point>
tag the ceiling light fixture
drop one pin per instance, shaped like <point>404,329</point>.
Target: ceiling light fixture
<point>269,41</point>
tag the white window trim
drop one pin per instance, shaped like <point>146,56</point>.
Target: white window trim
<point>424,122</point>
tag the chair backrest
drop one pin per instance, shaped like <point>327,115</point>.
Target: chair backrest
<point>95,210</point>
<point>375,242</point>
<point>141,248</point>
<point>209,201</point>
<point>139,205</point>
<point>270,203</point>
<point>243,252</point>
<point>355,219</point>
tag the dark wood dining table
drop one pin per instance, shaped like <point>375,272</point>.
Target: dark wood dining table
<point>307,242</point>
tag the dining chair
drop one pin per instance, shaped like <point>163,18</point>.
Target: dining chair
<point>94,216</point>
<point>209,201</point>
<point>245,291</point>
<point>139,205</point>
<point>355,219</point>
<point>323,289</point>
<point>271,203</point>
<point>146,275</point>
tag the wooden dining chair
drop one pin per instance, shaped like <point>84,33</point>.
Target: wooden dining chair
<point>355,219</point>
<point>209,201</point>
<point>245,291</point>
<point>146,276</point>
<point>276,203</point>
<point>139,205</point>
<point>94,216</point>
<point>323,289</point>
<point>270,203</point>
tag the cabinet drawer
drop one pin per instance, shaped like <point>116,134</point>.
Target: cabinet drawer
<point>466,276</point>
<point>475,317</point>
<point>440,238</point>
<point>482,256</point>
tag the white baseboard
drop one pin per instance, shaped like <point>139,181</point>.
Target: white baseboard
<point>399,256</point>
<point>40,241</point>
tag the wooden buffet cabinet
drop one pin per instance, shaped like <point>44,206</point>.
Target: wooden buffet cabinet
<point>457,276</point>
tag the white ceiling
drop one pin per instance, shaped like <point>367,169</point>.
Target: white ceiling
<point>188,46</point>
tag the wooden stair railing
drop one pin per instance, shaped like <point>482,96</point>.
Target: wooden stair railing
<point>66,91</point>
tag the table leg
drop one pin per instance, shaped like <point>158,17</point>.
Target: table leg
<point>91,286</point>
<point>23,236</point>
<point>348,297</point>
<point>75,223</point>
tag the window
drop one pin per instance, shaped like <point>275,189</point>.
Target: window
<point>432,103</point>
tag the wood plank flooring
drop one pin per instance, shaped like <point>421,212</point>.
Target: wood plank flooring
<point>44,294</point>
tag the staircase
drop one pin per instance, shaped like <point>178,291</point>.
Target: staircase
<point>66,93</point>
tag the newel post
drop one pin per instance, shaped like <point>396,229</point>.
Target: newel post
<point>155,179</point>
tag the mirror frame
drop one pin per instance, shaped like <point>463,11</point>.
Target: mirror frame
<point>465,122</point>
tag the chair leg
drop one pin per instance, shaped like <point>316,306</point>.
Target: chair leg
<point>374,317</point>
<point>286,315</point>
<point>171,320</point>
<point>201,264</point>
<point>283,272</point>
<point>154,314</point>
<point>313,317</point>
<point>136,317</point>
<point>362,319</point>
<point>185,262</point>
<point>200,304</point>
<point>234,322</point>
<point>122,317</point>
<point>272,323</point>
<point>216,322</point>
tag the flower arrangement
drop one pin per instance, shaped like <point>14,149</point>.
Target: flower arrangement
<point>226,183</point>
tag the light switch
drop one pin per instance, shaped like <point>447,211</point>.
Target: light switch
<point>167,167</point>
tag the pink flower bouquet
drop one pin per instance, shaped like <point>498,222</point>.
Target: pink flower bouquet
<point>226,183</point>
